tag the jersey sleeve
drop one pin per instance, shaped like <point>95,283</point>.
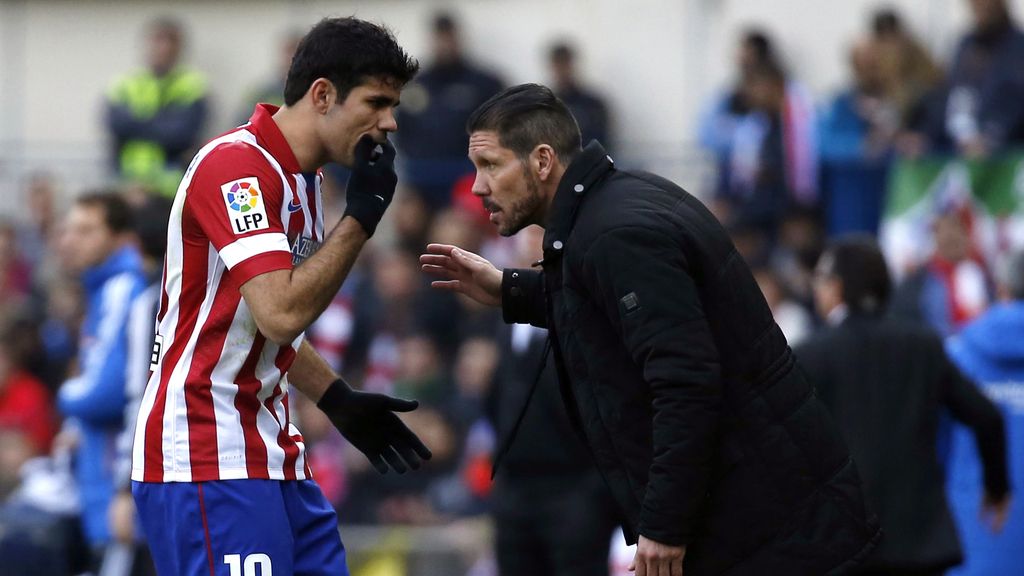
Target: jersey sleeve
<point>235,200</point>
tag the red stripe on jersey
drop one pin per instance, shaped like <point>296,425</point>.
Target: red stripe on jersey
<point>248,405</point>
<point>199,409</point>
<point>284,361</point>
<point>194,270</point>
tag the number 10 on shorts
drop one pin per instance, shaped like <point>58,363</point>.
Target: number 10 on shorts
<point>248,567</point>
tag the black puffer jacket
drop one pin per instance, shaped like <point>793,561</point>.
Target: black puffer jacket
<point>691,402</point>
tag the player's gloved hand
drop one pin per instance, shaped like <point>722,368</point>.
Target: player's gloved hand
<point>369,422</point>
<point>372,183</point>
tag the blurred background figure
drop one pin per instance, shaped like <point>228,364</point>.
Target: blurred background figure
<point>553,513</point>
<point>590,110</point>
<point>857,134</point>
<point>979,112</point>
<point>98,246</point>
<point>271,90</point>
<point>794,320</point>
<point>763,132</point>
<point>887,382</point>
<point>989,351</point>
<point>432,119</point>
<point>127,554</point>
<point>954,285</point>
<point>28,421</point>
<point>155,115</point>
<point>909,73</point>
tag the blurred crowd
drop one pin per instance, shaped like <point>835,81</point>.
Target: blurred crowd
<point>794,172</point>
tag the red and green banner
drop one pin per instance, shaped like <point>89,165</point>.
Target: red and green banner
<point>988,193</point>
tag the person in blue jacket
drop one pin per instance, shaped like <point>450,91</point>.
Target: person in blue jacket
<point>990,351</point>
<point>98,245</point>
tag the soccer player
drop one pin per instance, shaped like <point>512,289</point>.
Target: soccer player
<point>219,473</point>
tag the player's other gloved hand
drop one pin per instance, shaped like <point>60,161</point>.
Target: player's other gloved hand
<point>369,422</point>
<point>372,183</point>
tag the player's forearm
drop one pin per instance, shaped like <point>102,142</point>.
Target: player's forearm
<point>312,285</point>
<point>310,373</point>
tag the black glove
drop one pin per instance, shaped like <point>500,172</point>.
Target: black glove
<point>369,422</point>
<point>372,183</point>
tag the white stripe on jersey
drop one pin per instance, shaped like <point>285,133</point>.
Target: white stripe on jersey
<point>242,248</point>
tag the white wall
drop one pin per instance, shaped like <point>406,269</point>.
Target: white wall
<point>656,60</point>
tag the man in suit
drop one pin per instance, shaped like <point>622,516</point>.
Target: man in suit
<point>886,382</point>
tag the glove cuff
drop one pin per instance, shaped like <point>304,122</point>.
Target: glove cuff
<point>367,216</point>
<point>334,397</point>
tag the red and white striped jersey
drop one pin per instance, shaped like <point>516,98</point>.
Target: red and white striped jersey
<point>216,405</point>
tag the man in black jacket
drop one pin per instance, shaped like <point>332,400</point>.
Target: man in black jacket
<point>710,440</point>
<point>886,381</point>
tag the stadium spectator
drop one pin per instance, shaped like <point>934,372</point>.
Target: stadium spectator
<point>271,90</point>
<point>27,415</point>
<point>15,273</point>
<point>763,133</point>
<point>794,320</point>
<point>908,71</point>
<point>155,115</point>
<point>150,220</point>
<point>97,242</point>
<point>662,338</point>
<point>37,235</point>
<point>433,115</point>
<point>590,110</point>
<point>886,383</point>
<point>979,111</point>
<point>857,133</point>
<point>953,286</point>
<point>552,511</point>
<point>990,351</point>
<point>719,120</point>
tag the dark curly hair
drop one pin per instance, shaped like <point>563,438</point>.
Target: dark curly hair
<point>347,51</point>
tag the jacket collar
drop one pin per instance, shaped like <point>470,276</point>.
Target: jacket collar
<point>125,259</point>
<point>269,136</point>
<point>589,167</point>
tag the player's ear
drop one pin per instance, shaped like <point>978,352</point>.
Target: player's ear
<point>322,94</point>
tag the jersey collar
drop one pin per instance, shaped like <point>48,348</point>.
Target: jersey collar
<point>269,136</point>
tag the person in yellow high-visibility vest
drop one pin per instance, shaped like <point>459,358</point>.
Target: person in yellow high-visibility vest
<point>155,114</point>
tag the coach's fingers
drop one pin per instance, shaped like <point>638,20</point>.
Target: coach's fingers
<point>677,567</point>
<point>442,249</point>
<point>439,271</point>
<point>434,260</point>
<point>451,285</point>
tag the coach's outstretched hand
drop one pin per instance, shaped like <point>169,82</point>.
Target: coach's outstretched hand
<point>463,272</point>
<point>372,183</point>
<point>369,422</point>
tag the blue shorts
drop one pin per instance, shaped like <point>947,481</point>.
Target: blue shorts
<point>240,528</point>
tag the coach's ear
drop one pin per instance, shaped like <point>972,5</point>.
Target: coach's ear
<point>542,161</point>
<point>322,94</point>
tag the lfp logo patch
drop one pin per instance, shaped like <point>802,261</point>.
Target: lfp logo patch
<point>245,205</point>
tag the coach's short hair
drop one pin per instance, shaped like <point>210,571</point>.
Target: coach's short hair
<point>117,214</point>
<point>857,262</point>
<point>348,52</point>
<point>526,116</point>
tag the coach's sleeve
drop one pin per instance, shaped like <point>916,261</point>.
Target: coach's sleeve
<point>638,277</point>
<point>522,297</point>
<point>234,201</point>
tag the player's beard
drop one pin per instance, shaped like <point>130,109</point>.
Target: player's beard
<point>521,212</point>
